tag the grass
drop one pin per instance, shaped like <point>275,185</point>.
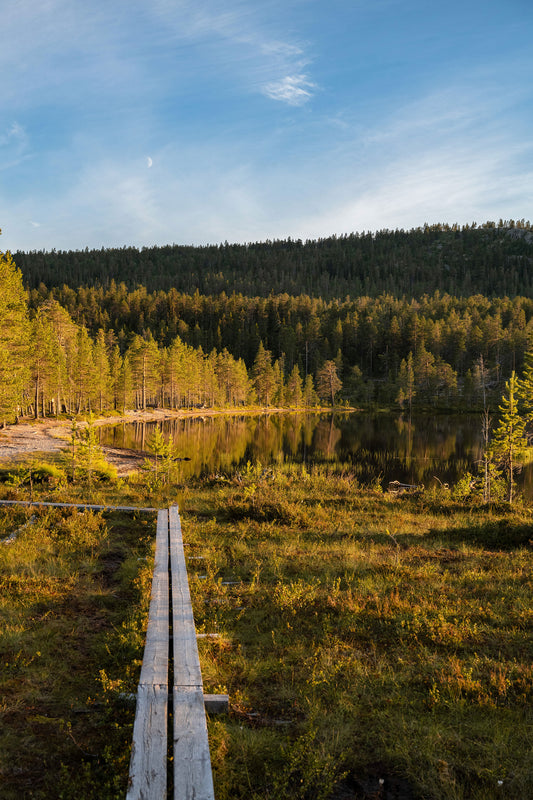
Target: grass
<point>363,638</point>
<point>373,646</point>
<point>73,592</point>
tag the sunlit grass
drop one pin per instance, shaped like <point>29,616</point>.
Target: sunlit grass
<point>73,590</point>
<point>361,635</point>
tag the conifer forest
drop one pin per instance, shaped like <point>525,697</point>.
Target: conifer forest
<point>436,316</point>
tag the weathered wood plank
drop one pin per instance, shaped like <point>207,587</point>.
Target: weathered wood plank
<point>75,505</point>
<point>193,779</point>
<point>156,650</point>
<point>192,764</point>
<point>216,703</point>
<point>186,660</point>
<point>149,755</point>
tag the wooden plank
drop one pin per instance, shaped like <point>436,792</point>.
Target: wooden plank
<point>216,703</point>
<point>193,779</point>
<point>74,505</point>
<point>156,650</point>
<point>186,660</point>
<point>149,754</point>
<point>148,763</point>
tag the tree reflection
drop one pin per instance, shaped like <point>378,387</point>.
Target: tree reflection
<point>379,446</point>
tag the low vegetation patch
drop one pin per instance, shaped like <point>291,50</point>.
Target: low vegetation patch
<point>372,645</point>
<point>74,588</point>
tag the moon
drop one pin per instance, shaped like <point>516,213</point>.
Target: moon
<point>149,162</point>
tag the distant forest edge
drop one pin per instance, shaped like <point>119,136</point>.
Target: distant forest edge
<point>110,346</point>
<point>493,259</point>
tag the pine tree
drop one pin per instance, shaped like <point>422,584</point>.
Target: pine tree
<point>125,384</point>
<point>84,371</point>
<point>264,378</point>
<point>328,382</point>
<point>144,359</point>
<point>64,336</point>
<point>509,437</point>
<point>44,362</point>
<point>160,470</point>
<point>525,393</point>
<point>406,382</point>
<point>174,372</point>
<point>89,450</point>
<point>14,338</point>
<point>310,397</point>
<point>294,388</point>
<point>102,375</point>
<point>115,367</point>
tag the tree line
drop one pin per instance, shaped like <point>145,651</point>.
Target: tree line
<point>493,259</point>
<point>50,364</point>
<point>387,349</point>
<point>283,349</point>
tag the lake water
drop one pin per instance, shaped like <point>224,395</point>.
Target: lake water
<point>382,447</point>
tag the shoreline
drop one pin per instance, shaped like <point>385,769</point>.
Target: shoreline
<point>20,440</point>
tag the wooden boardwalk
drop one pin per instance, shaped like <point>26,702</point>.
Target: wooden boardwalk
<point>170,676</point>
<point>170,697</point>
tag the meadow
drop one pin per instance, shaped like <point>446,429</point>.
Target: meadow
<point>74,588</point>
<point>372,645</point>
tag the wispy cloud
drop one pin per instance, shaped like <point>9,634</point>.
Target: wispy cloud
<point>13,146</point>
<point>15,133</point>
<point>449,157</point>
<point>136,56</point>
<point>155,121</point>
<point>293,89</point>
<point>245,38</point>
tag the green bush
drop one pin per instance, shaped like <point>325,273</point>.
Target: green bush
<point>40,472</point>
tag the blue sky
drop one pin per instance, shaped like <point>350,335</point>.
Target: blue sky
<point>142,122</point>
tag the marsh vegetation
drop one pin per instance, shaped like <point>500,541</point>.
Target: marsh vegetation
<point>370,643</point>
<point>363,637</point>
<point>74,588</point>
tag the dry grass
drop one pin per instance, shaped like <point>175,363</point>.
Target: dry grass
<point>72,610</point>
<point>372,646</point>
<point>362,637</point>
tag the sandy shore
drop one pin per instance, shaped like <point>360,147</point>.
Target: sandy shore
<point>47,436</point>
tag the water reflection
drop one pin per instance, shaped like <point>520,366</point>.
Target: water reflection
<point>377,446</point>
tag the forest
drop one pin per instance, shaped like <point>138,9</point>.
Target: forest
<point>84,340</point>
<point>493,259</point>
<point>50,365</point>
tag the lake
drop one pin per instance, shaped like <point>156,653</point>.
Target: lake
<point>383,447</point>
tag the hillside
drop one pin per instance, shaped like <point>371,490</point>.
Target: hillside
<point>495,260</point>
